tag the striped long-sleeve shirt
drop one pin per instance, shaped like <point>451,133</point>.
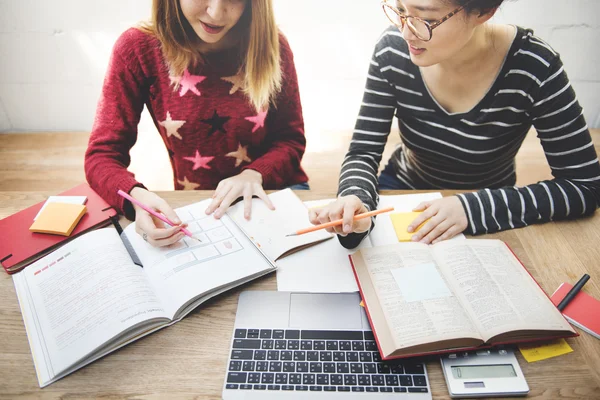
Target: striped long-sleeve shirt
<point>477,149</point>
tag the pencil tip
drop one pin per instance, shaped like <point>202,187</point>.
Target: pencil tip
<point>291,234</point>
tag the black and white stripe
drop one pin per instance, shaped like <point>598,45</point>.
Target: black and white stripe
<point>477,149</point>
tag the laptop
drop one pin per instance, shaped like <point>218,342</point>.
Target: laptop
<point>299,345</point>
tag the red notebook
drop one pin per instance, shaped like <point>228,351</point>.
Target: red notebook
<point>583,311</point>
<point>20,247</point>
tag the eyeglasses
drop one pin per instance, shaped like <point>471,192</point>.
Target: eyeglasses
<point>421,28</point>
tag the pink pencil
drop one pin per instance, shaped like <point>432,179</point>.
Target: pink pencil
<point>156,214</point>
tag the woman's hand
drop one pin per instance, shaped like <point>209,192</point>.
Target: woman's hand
<point>446,217</point>
<point>345,207</point>
<point>246,184</point>
<point>152,229</point>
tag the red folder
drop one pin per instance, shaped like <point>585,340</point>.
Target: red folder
<point>20,247</point>
<point>583,311</point>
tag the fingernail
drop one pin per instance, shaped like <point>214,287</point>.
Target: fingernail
<point>177,221</point>
<point>410,229</point>
<point>415,238</point>
<point>347,228</point>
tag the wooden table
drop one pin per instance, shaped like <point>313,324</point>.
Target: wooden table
<point>189,359</point>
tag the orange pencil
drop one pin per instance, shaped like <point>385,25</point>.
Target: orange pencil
<point>340,221</point>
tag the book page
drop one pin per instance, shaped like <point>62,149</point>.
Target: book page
<point>418,304</point>
<point>189,269</point>
<point>81,296</point>
<point>495,288</point>
<point>268,228</point>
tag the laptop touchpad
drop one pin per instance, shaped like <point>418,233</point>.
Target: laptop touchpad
<point>325,311</point>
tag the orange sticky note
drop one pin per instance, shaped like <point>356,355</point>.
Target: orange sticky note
<point>401,221</point>
<point>58,218</point>
<point>362,303</point>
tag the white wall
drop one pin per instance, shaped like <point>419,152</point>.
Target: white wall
<point>53,55</point>
<point>572,27</point>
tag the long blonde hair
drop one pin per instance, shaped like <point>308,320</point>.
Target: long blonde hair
<point>259,46</point>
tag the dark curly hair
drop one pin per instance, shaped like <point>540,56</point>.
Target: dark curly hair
<point>480,6</point>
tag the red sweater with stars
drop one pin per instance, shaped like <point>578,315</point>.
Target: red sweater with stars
<point>210,129</point>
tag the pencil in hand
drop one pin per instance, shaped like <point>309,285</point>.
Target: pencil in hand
<point>156,214</point>
<point>340,221</point>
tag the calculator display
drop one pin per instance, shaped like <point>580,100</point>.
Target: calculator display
<point>483,371</point>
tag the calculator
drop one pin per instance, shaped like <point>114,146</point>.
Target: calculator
<point>484,373</point>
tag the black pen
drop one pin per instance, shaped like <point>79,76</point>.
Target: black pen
<point>573,292</point>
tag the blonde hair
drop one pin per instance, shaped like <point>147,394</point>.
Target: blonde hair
<point>259,46</point>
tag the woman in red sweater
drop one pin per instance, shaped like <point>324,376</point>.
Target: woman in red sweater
<point>219,80</point>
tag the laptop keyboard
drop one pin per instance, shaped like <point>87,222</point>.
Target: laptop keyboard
<point>317,361</point>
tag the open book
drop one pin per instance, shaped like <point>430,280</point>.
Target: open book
<point>452,295</point>
<point>89,297</point>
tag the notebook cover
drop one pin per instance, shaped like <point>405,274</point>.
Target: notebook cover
<point>58,219</point>
<point>20,247</point>
<point>453,350</point>
<point>583,310</point>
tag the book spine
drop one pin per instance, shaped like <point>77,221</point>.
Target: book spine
<point>126,242</point>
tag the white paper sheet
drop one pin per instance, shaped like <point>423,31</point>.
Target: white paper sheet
<point>323,268</point>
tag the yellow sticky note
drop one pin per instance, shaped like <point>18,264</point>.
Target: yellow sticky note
<point>401,222</point>
<point>537,352</point>
<point>362,303</point>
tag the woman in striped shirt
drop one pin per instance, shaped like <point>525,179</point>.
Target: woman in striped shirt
<point>465,93</point>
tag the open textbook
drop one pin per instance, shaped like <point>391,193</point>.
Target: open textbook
<point>453,295</point>
<point>89,297</point>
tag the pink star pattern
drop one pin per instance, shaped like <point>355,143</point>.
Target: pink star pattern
<point>187,83</point>
<point>199,161</point>
<point>259,120</point>
<point>240,155</point>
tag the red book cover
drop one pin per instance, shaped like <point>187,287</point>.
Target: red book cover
<point>583,311</point>
<point>20,247</point>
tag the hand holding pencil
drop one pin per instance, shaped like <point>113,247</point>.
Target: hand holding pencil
<point>346,215</point>
<point>155,221</point>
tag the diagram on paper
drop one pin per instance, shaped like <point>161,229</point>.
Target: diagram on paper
<point>216,240</point>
